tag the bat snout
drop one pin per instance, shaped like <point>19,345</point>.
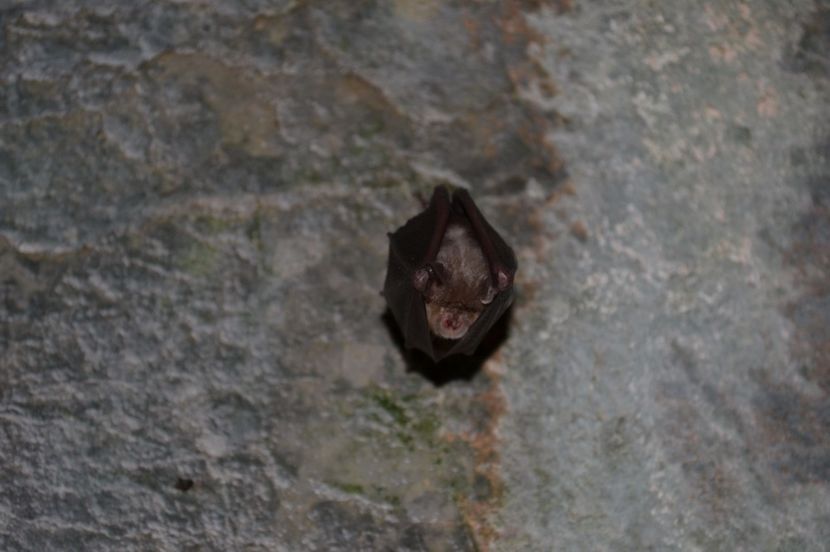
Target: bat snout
<point>454,325</point>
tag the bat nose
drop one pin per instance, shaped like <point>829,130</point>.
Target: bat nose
<point>452,323</point>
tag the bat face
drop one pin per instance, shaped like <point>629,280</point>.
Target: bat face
<point>450,276</point>
<point>461,288</point>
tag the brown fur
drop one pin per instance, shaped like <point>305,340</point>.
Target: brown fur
<point>463,288</point>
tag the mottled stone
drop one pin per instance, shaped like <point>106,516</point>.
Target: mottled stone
<point>194,200</point>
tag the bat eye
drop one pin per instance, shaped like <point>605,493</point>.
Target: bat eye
<point>440,273</point>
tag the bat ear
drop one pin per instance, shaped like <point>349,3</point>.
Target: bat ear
<point>503,279</point>
<point>489,295</point>
<point>420,280</point>
<point>436,272</point>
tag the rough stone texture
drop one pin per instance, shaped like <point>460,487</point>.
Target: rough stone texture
<point>193,206</point>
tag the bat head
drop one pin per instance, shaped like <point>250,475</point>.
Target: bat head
<point>453,298</point>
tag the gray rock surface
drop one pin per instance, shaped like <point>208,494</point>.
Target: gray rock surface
<point>194,200</point>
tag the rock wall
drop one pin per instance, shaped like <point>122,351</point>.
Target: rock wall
<point>194,200</point>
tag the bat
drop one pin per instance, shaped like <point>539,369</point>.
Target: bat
<point>449,277</point>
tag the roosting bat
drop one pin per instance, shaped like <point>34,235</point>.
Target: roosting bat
<point>450,276</point>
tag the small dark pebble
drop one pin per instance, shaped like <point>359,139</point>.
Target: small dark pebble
<point>183,484</point>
